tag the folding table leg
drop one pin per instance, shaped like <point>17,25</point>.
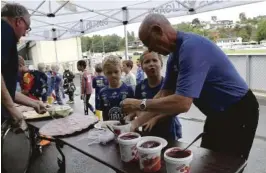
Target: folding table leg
<point>61,162</point>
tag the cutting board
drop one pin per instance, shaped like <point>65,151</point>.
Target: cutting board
<point>34,115</point>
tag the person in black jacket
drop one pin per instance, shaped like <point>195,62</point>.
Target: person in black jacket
<point>69,86</point>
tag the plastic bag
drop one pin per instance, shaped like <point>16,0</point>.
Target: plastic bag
<point>97,136</point>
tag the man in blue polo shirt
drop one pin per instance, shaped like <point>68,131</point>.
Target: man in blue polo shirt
<point>15,21</point>
<point>199,72</point>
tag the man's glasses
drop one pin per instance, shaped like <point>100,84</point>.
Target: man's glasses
<point>28,26</point>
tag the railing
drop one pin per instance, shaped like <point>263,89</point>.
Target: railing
<point>251,67</point>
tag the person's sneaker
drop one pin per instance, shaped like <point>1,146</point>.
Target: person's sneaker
<point>70,102</point>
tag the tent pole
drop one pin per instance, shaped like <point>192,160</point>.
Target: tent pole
<point>56,57</point>
<point>125,22</point>
<point>77,41</point>
<point>126,42</point>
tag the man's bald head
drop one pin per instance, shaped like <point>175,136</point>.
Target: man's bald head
<point>157,34</point>
<point>153,19</point>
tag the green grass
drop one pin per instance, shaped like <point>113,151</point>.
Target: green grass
<point>245,51</point>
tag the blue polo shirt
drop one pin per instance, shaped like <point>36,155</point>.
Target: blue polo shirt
<point>169,127</point>
<point>9,60</point>
<point>98,83</point>
<point>110,99</point>
<point>201,70</point>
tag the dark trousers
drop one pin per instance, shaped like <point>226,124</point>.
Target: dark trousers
<point>87,104</point>
<point>233,130</point>
<point>71,96</point>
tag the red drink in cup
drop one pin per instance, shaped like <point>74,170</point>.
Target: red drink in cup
<point>127,145</point>
<point>178,161</point>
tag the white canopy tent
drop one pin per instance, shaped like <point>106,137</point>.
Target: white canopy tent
<point>62,19</point>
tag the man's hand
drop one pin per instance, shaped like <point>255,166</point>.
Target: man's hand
<point>130,105</point>
<point>150,124</point>
<point>81,96</point>
<point>39,107</point>
<point>130,117</point>
<point>18,119</point>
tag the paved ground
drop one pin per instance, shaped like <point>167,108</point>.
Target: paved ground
<point>192,123</point>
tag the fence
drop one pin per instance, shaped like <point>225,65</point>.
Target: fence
<point>252,69</point>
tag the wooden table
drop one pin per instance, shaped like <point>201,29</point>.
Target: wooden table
<point>204,161</point>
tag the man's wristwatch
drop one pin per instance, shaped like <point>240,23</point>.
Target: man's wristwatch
<point>142,105</point>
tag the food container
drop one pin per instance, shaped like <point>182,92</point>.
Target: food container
<point>119,128</point>
<point>178,162</point>
<point>149,149</point>
<point>127,145</point>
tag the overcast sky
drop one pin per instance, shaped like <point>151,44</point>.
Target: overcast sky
<point>251,10</point>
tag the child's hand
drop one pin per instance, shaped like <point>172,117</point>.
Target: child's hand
<point>150,124</point>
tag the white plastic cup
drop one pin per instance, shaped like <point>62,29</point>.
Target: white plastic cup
<point>128,150</point>
<point>119,129</point>
<point>150,158</point>
<point>177,165</point>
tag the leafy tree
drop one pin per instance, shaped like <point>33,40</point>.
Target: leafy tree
<point>261,32</point>
<point>242,17</point>
<point>196,22</point>
<point>130,37</point>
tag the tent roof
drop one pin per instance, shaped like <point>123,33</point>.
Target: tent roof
<point>61,19</point>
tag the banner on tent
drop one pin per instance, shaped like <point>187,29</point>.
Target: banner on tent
<point>185,5</point>
<point>89,25</point>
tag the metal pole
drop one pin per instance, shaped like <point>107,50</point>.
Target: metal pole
<point>125,22</point>
<point>56,58</point>
<point>126,41</point>
<point>79,57</point>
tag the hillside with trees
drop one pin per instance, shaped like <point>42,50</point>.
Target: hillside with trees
<point>250,29</point>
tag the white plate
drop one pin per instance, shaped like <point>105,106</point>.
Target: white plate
<point>102,124</point>
<point>163,141</point>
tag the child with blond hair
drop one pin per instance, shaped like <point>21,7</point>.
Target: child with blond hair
<point>116,91</point>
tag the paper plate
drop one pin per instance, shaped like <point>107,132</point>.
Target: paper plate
<point>102,124</point>
<point>163,141</point>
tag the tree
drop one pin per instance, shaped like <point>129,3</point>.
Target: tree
<point>122,43</point>
<point>261,32</point>
<point>112,43</point>
<point>242,17</point>
<point>186,27</point>
<point>86,43</point>
<point>133,34</point>
<point>130,37</point>
<point>196,22</point>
